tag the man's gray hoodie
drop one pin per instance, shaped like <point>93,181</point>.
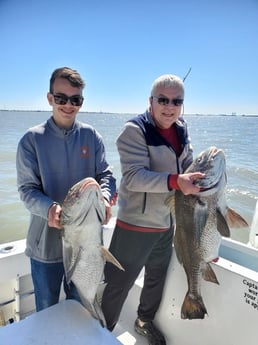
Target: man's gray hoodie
<point>49,162</point>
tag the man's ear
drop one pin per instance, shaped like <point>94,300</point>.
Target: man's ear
<point>50,98</point>
<point>150,104</point>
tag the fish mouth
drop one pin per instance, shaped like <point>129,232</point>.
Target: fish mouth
<point>212,186</point>
<point>204,189</point>
<point>213,152</point>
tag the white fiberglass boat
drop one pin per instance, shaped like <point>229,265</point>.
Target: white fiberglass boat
<point>232,306</point>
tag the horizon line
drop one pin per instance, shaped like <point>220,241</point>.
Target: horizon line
<point>234,114</point>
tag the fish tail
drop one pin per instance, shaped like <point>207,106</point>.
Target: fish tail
<point>193,307</point>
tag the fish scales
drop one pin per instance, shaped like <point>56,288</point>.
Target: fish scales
<point>201,221</point>
<point>83,212</point>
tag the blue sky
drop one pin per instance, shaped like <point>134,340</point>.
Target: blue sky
<point>120,46</point>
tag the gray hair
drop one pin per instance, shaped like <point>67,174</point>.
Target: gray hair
<point>167,81</point>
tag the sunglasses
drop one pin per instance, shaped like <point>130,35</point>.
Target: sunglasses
<point>165,101</point>
<point>62,99</point>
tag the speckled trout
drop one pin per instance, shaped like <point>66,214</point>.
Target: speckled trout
<point>83,212</point>
<point>201,221</point>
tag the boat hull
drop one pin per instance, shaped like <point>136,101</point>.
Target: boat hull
<point>232,307</point>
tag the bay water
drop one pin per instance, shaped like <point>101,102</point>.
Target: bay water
<point>236,135</point>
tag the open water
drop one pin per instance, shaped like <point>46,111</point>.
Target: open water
<point>236,135</point>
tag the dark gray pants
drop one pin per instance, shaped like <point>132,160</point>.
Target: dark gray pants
<point>135,250</point>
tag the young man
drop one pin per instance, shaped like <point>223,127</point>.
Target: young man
<point>51,158</point>
<point>154,150</point>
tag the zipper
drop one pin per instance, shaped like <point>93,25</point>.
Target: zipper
<point>144,202</point>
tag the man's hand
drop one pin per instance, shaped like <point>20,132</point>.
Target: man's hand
<point>108,212</point>
<point>54,214</point>
<point>186,182</point>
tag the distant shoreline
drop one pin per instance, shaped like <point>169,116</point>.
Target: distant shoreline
<point>49,111</point>
<point>110,113</point>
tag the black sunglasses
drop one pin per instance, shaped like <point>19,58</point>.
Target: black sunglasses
<point>62,99</point>
<point>165,101</point>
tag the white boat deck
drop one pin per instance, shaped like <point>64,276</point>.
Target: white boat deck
<point>124,330</point>
<point>232,306</point>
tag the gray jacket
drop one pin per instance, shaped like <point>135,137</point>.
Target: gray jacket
<point>49,161</point>
<point>146,162</point>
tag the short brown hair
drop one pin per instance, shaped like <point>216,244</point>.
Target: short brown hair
<point>71,75</point>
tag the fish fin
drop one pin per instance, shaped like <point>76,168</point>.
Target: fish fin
<point>200,218</point>
<point>67,259</point>
<point>193,307</point>
<point>222,225</point>
<point>209,275</point>
<point>70,260</point>
<point>95,310</point>
<point>99,313</point>
<point>100,291</point>
<point>170,202</point>
<point>110,258</point>
<point>234,219</point>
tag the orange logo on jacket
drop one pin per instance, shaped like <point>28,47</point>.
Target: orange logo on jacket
<point>84,152</point>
